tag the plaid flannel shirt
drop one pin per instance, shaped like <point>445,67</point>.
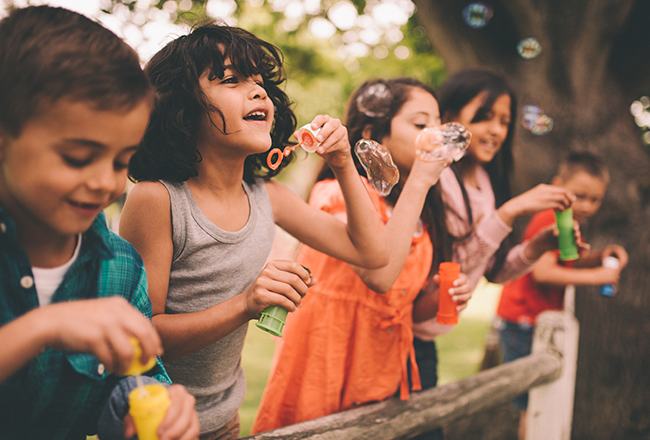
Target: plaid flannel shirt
<point>60,395</point>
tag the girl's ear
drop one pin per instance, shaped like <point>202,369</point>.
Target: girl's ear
<point>367,131</point>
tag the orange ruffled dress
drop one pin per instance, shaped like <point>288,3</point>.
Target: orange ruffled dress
<point>347,345</point>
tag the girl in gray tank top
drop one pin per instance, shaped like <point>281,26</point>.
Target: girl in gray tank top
<point>204,210</point>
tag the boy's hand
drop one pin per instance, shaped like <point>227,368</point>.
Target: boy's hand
<point>461,293</point>
<point>103,327</point>
<point>333,136</point>
<point>605,275</point>
<point>282,283</point>
<point>181,421</point>
<point>546,240</point>
<point>614,250</point>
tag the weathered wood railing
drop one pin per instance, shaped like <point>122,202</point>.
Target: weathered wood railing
<point>555,338</point>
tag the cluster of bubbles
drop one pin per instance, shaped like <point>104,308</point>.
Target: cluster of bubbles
<point>640,109</point>
<point>477,15</point>
<point>375,100</point>
<point>442,143</point>
<point>378,163</point>
<point>534,120</point>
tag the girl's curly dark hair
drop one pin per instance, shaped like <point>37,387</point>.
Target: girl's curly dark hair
<point>168,150</point>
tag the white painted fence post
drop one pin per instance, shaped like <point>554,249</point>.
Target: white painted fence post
<point>550,406</point>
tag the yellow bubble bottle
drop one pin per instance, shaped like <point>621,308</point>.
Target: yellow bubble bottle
<point>148,406</point>
<point>147,403</point>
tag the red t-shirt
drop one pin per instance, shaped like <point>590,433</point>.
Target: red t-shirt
<point>523,299</point>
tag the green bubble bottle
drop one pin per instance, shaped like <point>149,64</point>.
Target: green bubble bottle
<point>566,237</point>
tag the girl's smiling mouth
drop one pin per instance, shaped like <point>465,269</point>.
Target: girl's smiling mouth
<point>256,115</point>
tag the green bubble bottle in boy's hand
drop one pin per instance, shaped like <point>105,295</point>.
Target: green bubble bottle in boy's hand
<point>566,237</point>
<point>147,403</point>
<point>273,318</point>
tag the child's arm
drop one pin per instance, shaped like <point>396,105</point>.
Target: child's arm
<point>539,198</point>
<point>402,224</point>
<point>425,306</point>
<point>595,258</point>
<point>359,241</point>
<point>146,223</point>
<point>548,271</point>
<point>99,326</point>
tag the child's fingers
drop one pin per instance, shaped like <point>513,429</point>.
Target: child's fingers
<point>284,294</point>
<point>181,420</point>
<point>129,426</point>
<point>122,352</point>
<point>290,267</point>
<point>334,140</point>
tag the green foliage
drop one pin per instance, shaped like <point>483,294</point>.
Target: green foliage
<point>319,80</point>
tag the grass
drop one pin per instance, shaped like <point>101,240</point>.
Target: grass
<point>460,352</point>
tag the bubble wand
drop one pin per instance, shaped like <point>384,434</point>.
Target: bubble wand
<point>147,403</point>
<point>307,140</point>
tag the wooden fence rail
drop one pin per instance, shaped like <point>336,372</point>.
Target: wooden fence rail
<point>438,407</point>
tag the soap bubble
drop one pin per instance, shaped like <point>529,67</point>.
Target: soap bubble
<point>378,163</point>
<point>375,100</point>
<point>529,48</point>
<point>444,142</point>
<point>530,114</point>
<point>544,125</point>
<point>477,15</point>
<point>535,121</point>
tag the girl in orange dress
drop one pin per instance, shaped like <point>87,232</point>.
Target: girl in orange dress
<point>351,341</point>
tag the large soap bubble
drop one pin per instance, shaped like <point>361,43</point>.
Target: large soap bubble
<point>375,100</point>
<point>443,142</point>
<point>378,163</point>
<point>477,15</point>
<point>529,48</point>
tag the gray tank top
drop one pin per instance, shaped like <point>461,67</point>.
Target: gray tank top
<point>209,266</point>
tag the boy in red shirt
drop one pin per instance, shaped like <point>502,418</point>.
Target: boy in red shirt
<point>522,300</point>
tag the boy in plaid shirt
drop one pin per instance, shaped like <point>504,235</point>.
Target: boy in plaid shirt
<point>74,104</point>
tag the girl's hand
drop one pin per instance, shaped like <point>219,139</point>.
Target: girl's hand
<point>333,137</point>
<point>181,421</point>
<point>428,172</point>
<point>614,250</point>
<point>461,293</point>
<point>282,283</point>
<point>534,200</point>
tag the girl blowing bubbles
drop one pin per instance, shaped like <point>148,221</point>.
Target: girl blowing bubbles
<point>351,341</point>
<point>202,215</point>
<point>475,193</point>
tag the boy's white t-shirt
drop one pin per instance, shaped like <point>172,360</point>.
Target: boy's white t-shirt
<point>47,280</point>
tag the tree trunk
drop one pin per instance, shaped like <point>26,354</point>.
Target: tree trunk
<point>595,60</point>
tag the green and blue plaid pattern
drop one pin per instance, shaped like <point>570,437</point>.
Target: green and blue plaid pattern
<point>60,395</point>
